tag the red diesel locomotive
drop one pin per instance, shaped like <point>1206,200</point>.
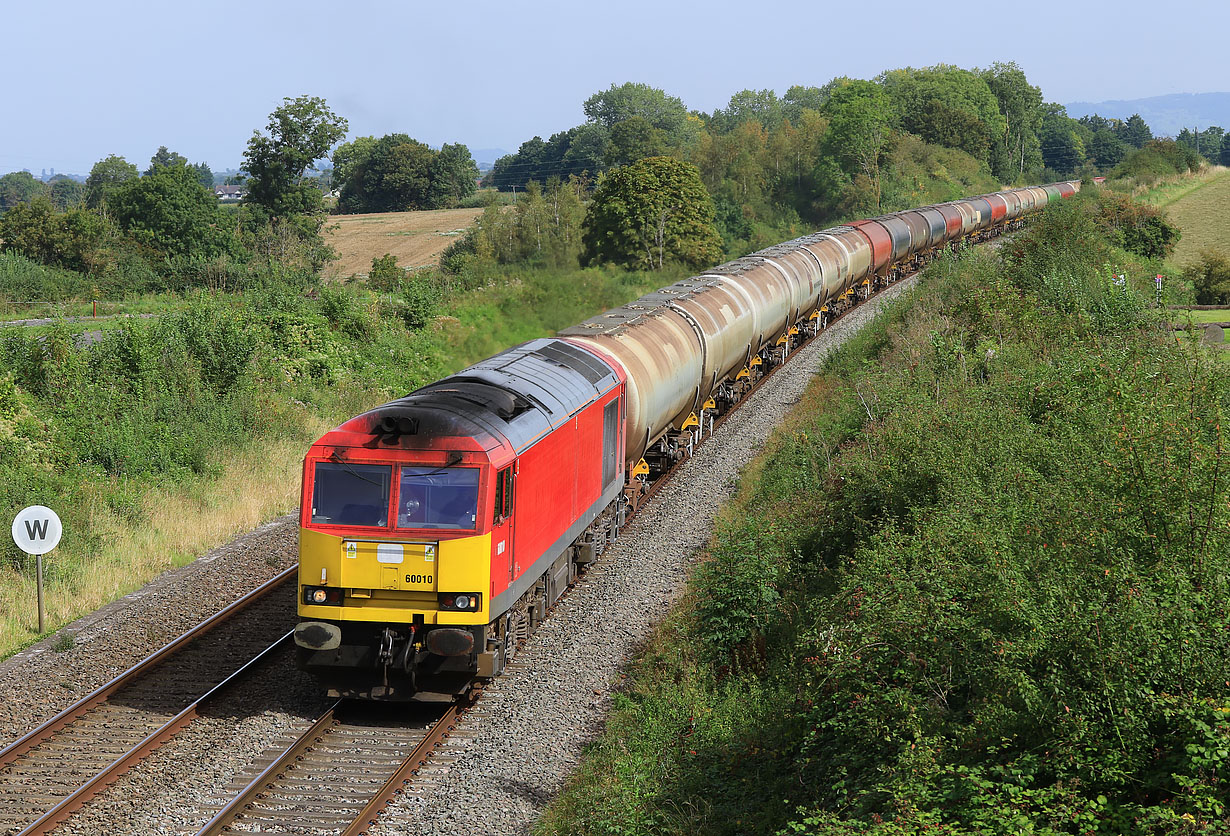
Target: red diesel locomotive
<point>436,530</point>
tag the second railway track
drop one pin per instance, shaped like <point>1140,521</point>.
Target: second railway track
<point>52,771</point>
<point>340,773</point>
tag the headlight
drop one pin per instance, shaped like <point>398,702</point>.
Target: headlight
<point>322,595</point>
<point>460,601</point>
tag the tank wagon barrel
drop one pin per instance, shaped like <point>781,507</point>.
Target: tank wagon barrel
<point>436,530</point>
<point>742,309</point>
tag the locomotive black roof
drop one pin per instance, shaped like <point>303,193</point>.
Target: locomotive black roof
<point>520,394</point>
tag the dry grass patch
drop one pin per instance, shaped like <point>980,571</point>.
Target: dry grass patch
<point>416,239</point>
<point>257,483</point>
<point>1203,215</point>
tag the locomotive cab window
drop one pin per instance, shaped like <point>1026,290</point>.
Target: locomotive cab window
<point>503,494</point>
<point>351,494</point>
<point>437,497</point>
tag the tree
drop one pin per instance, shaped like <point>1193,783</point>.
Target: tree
<point>635,139</point>
<point>761,106</point>
<point>395,175</point>
<point>104,177</point>
<point>649,213</point>
<point>609,107</point>
<point>861,118</point>
<point>946,106</point>
<point>1018,150</point>
<point>454,175</point>
<point>1211,278</point>
<point>1135,132</point>
<point>163,158</point>
<point>172,212</point>
<point>301,132</point>
<point>940,124</point>
<point>349,154</point>
<point>203,174</point>
<point>1207,143</point>
<point>799,99</point>
<point>586,150</point>
<point>64,192</point>
<point>1063,148</point>
<point>18,187</point>
<point>1107,150</point>
<point>75,239</point>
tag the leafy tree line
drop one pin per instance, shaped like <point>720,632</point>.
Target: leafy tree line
<point>395,173</point>
<point>1212,143</point>
<point>773,163</point>
<point>164,229</point>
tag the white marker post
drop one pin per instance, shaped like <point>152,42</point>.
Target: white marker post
<point>37,530</point>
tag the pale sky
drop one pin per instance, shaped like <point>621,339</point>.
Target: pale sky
<point>84,79</point>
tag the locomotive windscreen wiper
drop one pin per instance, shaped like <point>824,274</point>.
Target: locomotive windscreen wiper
<point>453,462</point>
<point>346,466</point>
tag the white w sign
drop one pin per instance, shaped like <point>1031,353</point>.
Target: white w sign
<point>37,529</point>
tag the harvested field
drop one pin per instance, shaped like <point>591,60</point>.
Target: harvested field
<point>1203,215</point>
<point>415,239</point>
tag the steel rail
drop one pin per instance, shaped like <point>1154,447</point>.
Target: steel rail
<point>220,822</point>
<point>401,778</point>
<point>300,750</point>
<point>21,750</point>
<point>78,709</point>
<point>71,804</point>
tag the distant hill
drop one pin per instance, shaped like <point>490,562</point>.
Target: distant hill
<point>486,157</point>
<point>1166,115</point>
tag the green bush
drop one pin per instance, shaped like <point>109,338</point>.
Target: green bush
<point>1136,227</point>
<point>1210,278</point>
<point>418,300</point>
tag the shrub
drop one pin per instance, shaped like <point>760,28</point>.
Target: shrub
<point>1211,278</point>
<point>1136,227</point>
<point>419,300</point>
<point>385,274</point>
<point>344,312</point>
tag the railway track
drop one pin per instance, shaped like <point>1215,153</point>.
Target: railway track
<point>51,772</point>
<point>340,773</point>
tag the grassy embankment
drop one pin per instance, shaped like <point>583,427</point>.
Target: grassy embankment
<point>1203,214</point>
<point>977,584</point>
<point>171,435</point>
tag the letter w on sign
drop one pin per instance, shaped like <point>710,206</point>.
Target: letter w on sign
<point>37,528</point>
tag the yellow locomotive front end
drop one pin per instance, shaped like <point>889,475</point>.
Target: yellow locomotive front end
<point>395,582</point>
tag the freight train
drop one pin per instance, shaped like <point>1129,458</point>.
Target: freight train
<point>437,530</point>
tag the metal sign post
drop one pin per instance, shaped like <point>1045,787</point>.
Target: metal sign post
<point>36,531</point>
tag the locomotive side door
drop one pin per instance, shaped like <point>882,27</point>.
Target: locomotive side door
<point>502,522</point>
